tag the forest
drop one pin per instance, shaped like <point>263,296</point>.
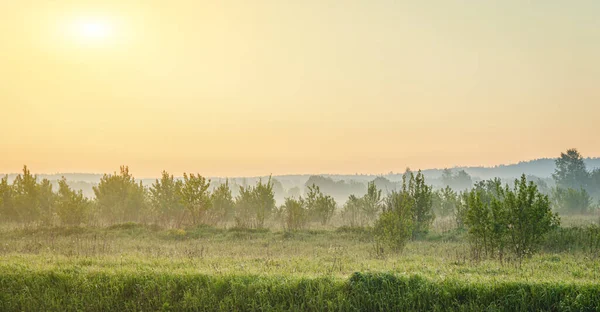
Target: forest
<point>193,244</point>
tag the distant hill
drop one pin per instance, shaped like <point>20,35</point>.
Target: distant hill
<point>542,168</point>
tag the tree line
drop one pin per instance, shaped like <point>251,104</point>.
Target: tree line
<point>500,220</point>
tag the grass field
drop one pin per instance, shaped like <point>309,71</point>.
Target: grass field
<point>140,267</point>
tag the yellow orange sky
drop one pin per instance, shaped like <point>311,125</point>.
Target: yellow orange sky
<point>257,87</point>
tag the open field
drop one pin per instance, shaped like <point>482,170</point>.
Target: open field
<point>145,267</point>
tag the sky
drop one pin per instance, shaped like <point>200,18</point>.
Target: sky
<point>235,88</point>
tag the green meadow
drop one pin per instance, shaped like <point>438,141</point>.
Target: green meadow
<point>133,267</point>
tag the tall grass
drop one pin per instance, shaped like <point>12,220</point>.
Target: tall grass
<point>69,290</point>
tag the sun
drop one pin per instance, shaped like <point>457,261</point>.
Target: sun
<point>92,30</point>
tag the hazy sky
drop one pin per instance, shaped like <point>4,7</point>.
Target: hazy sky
<point>258,87</point>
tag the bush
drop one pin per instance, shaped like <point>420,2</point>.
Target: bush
<point>120,198</point>
<point>25,198</point>
<point>406,213</point>
<point>394,227</point>
<point>165,198</point>
<point>7,208</point>
<point>222,202</point>
<point>320,207</point>
<point>351,213</point>
<point>504,219</point>
<point>254,204</point>
<point>445,202</point>
<point>72,207</point>
<point>195,196</point>
<point>391,232</point>
<point>364,210</point>
<point>295,213</point>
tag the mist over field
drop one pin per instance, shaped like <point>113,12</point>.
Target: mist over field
<point>345,185</point>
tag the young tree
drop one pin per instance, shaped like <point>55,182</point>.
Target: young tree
<point>352,212</point>
<point>503,218</point>
<point>71,207</point>
<point>119,198</point>
<point>478,221</point>
<point>394,227</point>
<point>423,204</point>
<point>363,211</point>
<point>254,204</point>
<point>25,191</point>
<point>222,202</point>
<point>195,196</point>
<point>447,201</point>
<point>295,213</point>
<point>461,209</point>
<point>46,199</point>
<point>165,198</point>
<point>371,202</point>
<point>264,201</point>
<point>244,207</point>
<point>7,209</point>
<point>320,207</point>
<point>529,217</point>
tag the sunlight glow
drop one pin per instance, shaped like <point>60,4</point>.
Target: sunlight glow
<point>92,30</point>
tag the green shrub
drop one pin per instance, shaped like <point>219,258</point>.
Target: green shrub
<point>394,227</point>
<point>320,206</point>
<point>296,214</point>
<point>507,219</point>
<point>364,210</point>
<point>72,207</point>
<point>254,205</point>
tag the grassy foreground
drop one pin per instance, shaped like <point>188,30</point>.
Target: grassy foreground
<point>153,290</point>
<point>134,267</point>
